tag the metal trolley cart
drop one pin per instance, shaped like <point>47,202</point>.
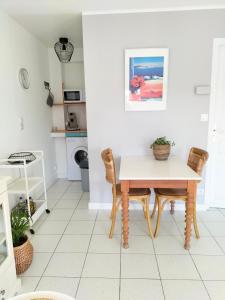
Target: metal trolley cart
<point>26,185</point>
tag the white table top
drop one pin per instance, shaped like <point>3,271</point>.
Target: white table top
<point>148,168</point>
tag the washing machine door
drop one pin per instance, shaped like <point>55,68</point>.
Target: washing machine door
<point>80,154</point>
<point>76,155</point>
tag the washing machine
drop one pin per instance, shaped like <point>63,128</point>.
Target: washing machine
<point>77,150</point>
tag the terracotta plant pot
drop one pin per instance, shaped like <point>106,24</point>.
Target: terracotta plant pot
<point>23,255</point>
<point>161,152</point>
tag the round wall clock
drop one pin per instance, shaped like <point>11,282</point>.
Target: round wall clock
<point>24,78</point>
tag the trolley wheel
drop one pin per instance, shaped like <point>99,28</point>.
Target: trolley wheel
<point>47,211</point>
<point>32,231</point>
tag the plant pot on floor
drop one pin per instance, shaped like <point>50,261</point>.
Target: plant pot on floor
<point>23,256</point>
<point>161,152</point>
<point>23,250</point>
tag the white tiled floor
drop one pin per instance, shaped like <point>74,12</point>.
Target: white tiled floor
<point>73,255</point>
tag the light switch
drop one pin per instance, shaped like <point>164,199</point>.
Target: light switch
<point>204,118</point>
<point>202,90</point>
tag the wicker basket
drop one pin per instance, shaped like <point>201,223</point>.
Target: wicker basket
<point>41,295</point>
<point>23,256</point>
<point>161,152</point>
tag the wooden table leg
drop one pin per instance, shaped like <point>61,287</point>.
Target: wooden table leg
<point>189,212</point>
<point>125,212</point>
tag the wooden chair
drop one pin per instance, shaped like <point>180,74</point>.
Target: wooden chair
<point>141,195</point>
<point>196,160</point>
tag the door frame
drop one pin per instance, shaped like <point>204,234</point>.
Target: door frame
<point>209,180</point>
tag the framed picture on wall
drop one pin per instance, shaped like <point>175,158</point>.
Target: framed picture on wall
<point>146,75</point>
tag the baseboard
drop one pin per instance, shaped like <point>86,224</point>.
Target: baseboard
<point>136,206</point>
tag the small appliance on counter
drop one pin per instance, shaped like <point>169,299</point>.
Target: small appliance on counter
<point>71,121</point>
<point>72,95</point>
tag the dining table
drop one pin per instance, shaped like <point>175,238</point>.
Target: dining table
<point>144,171</point>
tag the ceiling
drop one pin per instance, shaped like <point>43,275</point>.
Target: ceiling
<point>50,19</point>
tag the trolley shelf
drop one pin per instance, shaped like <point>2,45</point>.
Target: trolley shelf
<point>41,207</point>
<point>19,185</point>
<point>2,258</point>
<point>24,185</point>
<point>4,163</point>
<point>2,238</point>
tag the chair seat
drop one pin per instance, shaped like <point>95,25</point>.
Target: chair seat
<point>171,192</point>
<point>133,191</point>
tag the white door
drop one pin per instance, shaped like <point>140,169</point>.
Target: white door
<point>215,179</point>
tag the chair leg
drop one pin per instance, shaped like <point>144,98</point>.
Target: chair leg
<point>172,205</point>
<point>113,207</point>
<point>148,218</point>
<point>154,209</point>
<point>113,217</point>
<point>195,223</point>
<point>144,208</point>
<point>160,208</point>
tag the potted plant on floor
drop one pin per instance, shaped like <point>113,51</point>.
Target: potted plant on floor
<point>23,249</point>
<point>161,148</point>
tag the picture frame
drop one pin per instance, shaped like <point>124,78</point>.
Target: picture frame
<point>146,78</point>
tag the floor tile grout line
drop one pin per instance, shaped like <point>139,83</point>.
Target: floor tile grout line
<point>56,245</point>
<point>201,255</point>
<point>130,278</point>
<point>78,285</point>
<point>121,243</point>
<point>160,277</point>
<point>194,263</point>
<point>200,276</point>
<point>214,238</point>
<point>40,277</point>
<point>210,235</point>
<point>120,249</point>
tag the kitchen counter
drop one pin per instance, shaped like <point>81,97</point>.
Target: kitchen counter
<point>69,133</point>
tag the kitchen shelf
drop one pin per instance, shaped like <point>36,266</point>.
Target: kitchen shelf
<point>71,103</point>
<point>19,185</point>
<point>69,133</point>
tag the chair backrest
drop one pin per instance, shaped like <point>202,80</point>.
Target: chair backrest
<point>108,160</point>
<point>197,159</point>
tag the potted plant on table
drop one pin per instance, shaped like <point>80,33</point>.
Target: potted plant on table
<point>161,148</point>
<point>23,249</point>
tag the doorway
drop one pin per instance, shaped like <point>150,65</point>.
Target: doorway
<point>215,177</point>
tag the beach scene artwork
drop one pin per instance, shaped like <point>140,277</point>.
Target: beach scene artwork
<point>147,78</point>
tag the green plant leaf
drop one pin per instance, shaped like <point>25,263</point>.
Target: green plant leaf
<point>162,141</point>
<point>19,225</point>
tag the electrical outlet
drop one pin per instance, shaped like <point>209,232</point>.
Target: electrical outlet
<point>21,123</point>
<point>204,117</point>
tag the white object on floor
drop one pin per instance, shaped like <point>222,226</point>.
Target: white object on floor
<point>75,147</point>
<point>9,284</point>
<point>43,294</point>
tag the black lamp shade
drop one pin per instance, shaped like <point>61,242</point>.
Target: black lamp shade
<point>64,50</point>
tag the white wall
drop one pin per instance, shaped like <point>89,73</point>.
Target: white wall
<point>189,36</point>
<point>20,49</point>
